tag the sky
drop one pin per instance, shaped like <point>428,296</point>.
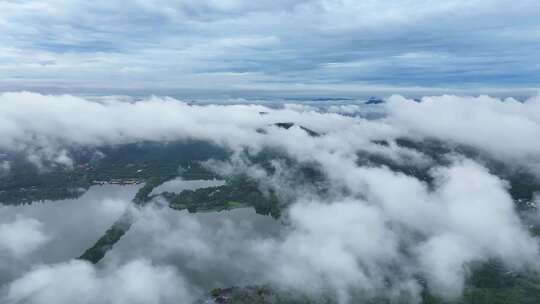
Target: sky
<point>243,48</point>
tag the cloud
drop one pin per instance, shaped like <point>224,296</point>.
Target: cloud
<point>5,167</point>
<point>374,241</point>
<point>20,237</point>
<point>505,129</point>
<point>354,252</point>
<point>45,123</point>
<point>137,281</point>
<point>403,229</point>
<point>373,233</point>
<point>55,232</point>
<point>134,46</point>
<point>43,126</point>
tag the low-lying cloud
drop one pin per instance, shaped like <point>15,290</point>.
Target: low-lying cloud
<point>505,129</point>
<point>374,233</point>
<point>43,125</point>
<point>21,236</point>
<point>137,281</point>
<point>354,247</point>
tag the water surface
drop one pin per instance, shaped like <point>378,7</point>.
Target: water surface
<point>70,225</point>
<point>178,185</point>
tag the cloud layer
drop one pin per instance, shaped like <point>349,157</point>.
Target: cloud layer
<point>137,281</point>
<point>505,129</point>
<point>375,231</point>
<point>330,47</point>
<point>21,236</point>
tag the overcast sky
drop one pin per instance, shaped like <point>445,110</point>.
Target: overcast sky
<point>270,47</point>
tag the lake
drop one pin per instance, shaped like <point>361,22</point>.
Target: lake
<point>205,247</point>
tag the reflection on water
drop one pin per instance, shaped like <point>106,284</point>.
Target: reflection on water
<point>208,248</point>
<point>178,185</point>
<point>71,225</point>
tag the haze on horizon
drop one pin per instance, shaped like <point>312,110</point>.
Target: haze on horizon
<point>241,48</point>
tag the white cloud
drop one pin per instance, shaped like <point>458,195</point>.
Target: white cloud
<point>506,129</point>
<point>57,46</point>
<point>353,247</point>
<point>5,167</point>
<point>30,121</point>
<point>404,229</point>
<point>137,281</point>
<point>375,227</point>
<point>21,237</point>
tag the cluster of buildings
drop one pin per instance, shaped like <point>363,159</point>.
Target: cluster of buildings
<point>131,181</point>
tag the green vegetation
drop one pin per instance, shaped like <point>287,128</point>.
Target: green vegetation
<point>154,164</point>
<point>260,295</point>
<point>522,293</point>
<point>523,184</point>
<point>238,192</point>
<point>488,284</point>
<point>25,183</point>
<point>491,283</point>
<point>151,159</point>
<point>95,253</point>
<point>143,195</point>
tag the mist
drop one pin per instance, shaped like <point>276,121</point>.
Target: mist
<point>372,233</point>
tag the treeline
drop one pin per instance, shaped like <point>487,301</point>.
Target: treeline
<point>239,191</point>
<point>95,253</point>
<point>26,183</point>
